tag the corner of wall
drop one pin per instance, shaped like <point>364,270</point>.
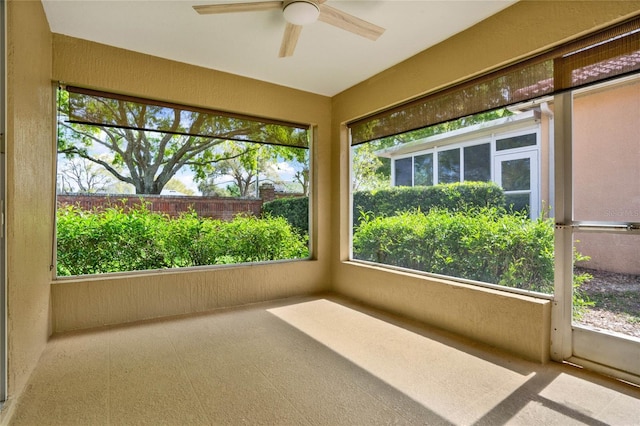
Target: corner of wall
<point>29,173</point>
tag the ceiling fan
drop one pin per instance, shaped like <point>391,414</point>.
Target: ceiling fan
<point>298,13</point>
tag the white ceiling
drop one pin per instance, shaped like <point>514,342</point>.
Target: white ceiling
<point>327,60</point>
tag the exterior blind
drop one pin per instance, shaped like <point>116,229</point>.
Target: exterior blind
<point>110,110</point>
<point>599,57</point>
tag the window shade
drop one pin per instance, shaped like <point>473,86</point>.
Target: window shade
<point>97,108</point>
<point>610,53</point>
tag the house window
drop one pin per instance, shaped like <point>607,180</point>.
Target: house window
<point>513,142</point>
<point>506,152</point>
<point>403,171</point>
<point>449,166</point>
<point>423,170</point>
<point>149,185</point>
<point>477,163</point>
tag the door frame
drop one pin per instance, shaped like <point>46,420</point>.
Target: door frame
<point>3,279</point>
<point>606,352</point>
<point>534,178</point>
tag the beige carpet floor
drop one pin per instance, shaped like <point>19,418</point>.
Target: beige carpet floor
<point>305,361</point>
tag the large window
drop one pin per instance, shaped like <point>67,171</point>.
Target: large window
<point>147,185</point>
<point>403,176</point>
<point>461,207</point>
<point>451,152</point>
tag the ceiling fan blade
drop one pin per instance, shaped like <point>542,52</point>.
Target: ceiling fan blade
<point>350,23</point>
<point>289,39</point>
<point>237,7</point>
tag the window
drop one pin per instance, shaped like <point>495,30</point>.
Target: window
<point>403,171</point>
<point>516,142</point>
<point>423,170</point>
<point>475,231</point>
<point>145,185</point>
<point>477,163</point>
<point>466,133</point>
<point>504,151</point>
<point>449,166</point>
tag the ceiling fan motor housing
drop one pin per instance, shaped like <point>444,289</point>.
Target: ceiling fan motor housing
<point>300,12</point>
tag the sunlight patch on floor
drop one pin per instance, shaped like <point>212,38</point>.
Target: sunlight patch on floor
<point>432,373</point>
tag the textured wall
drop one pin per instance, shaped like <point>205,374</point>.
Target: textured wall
<point>90,302</point>
<point>517,324</point>
<point>606,173</point>
<point>29,204</point>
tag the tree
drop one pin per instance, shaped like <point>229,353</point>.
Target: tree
<point>302,177</point>
<point>81,175</point>
<point>241,167</point>
<point>300,158</point>
<point>177,185</point>
<point>256,163</point>
<point>209,188</point>
<point>368,168</point>
<point>149,159</point>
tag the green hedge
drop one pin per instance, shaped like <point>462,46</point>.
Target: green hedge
<point>453,197</point>
<point>388,202</point>
<point>115,240</point>
<point>294,210</point>
<point>483,245</point>
<point>193,241</point>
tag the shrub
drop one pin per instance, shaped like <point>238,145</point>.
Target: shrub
<point>294,210</point>
<point>453,197</point>
<point>480,244</point>
<point>199,241</point>
<point>116,241</point>
<point>484,245</point>
<point>108,241</point>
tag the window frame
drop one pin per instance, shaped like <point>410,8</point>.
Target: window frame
<point>600,49</point>
<point>530,125</point>
<point>311,132</point>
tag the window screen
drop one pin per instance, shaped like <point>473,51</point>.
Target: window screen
<point>113,110</point>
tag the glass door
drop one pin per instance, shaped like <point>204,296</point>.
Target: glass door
<point>517,174</point>
<point>602,233</point>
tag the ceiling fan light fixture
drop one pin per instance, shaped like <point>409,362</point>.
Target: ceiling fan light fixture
<point>301,12</point>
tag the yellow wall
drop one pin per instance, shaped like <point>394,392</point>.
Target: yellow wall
<point>83,303</point>
<point>515,323</point>
<point>29,201</point>
<point>606,172</point>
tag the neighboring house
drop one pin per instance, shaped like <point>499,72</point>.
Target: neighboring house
<point>507,151</point>
<point>514,153</point>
